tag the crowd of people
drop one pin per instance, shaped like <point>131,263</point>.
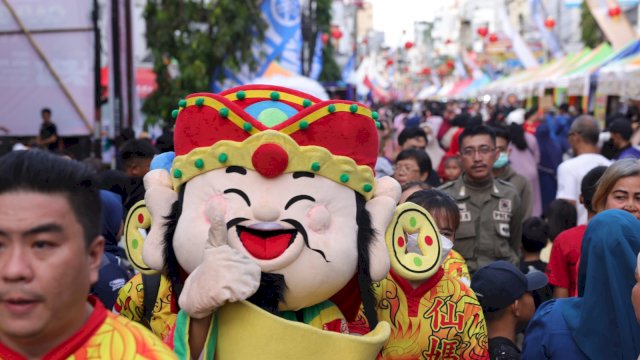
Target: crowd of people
<point>539,212</point>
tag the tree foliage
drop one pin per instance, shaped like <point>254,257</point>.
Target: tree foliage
<point>592,36</point>
<point>190,40</point>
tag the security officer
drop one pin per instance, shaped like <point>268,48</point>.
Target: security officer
<point>490,209</point>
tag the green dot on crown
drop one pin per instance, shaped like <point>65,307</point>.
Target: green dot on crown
<point>177,173</point>
<point>304,124</point>
<point>223,157</point>
<point>247,127</point>
<point>199,163</point>
<point>182,103</point>
<point>375,115</point>
<point>241,95</point>
<point>367,187</point>
<point>199,101</point>
<point>315,166</point>
<point>275,96</point>
<point>353,108</point>
<point>344,178</point>
<point>174,113</point>
<point>224,112</point>
<point>331,108</point>
<point>306,103</point>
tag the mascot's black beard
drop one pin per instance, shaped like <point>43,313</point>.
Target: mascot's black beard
<point>270,293</point>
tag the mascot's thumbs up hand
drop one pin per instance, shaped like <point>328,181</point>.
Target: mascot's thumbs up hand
<point>225,274</point>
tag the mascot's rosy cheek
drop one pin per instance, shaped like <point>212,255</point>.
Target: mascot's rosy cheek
<point>319,219</point>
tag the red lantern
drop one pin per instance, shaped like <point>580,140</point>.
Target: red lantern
<point>615,11</point>
<point>336,33</point>
<point>549,23</point>
<point>325,38</point>
<point>493,38</point>
<point>450,64</point>
<point>448,41</point>
<point>426,71</point>
<point>483,31</point>
<point>389,62</point>
<point>365,41</point>
<point>408,45</point>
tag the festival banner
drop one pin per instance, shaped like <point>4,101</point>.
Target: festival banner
<point>316,65</point>
<point>519,46</point>
<point>539,15</point>
<point>616,28</point>
<point>282,43</point>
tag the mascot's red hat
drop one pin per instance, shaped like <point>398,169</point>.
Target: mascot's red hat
<point>274,130</point>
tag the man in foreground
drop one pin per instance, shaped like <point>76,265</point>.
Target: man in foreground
<point>50,250</point>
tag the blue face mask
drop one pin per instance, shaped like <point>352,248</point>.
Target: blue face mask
<point>502,161</point>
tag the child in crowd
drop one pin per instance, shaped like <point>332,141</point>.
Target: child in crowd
<point>561,215</point>
<point>534,239</point>
<point>452,168</point>
<point>447,217</point>
<point>508,305</point>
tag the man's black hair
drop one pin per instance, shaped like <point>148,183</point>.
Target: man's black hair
<point>137,149</point>
<point>410,133</point>
<point>589,184</point>
<point>45,111</point>
<point>476,130</point>
<point>273,286</point>
<point>43,172</point>
<point>422,159</point>
<point>621,126</point>
<point>501,132</point>
<point>535,233</point>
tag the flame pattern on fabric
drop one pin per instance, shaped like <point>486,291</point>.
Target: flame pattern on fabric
<point>440,319</point>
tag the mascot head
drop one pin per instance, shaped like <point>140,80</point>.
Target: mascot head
<point>294,178</point>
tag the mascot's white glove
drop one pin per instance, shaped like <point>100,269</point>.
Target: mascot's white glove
<point>225,274</point>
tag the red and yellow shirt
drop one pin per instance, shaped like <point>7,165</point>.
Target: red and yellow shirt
<point>455,266</point>
<point>104,336</point>
<point>130,304</point>
<point>440,319</point>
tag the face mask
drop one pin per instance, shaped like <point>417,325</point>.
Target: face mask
<point>447,245</point>
<point>502,161</point>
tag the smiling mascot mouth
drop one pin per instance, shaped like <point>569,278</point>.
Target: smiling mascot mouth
<point>266,244</point>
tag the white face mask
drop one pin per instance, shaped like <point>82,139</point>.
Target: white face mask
<point>412,246</point>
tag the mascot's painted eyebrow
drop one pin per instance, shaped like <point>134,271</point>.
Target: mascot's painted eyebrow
<point>236,169</point>
<point>299,174</point>
<point>240,193</point>
<point>297,198</point>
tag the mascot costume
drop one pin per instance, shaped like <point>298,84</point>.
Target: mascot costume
<point>268,208</point>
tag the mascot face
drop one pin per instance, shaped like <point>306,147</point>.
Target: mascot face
<point>290,176</point>
<point>288,225</point>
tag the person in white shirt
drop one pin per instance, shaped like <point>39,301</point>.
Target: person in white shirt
<point>583,138</point>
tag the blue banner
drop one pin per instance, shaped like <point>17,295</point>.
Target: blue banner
<point>282,43</point>
<point>316,65</point>
<point>349,69</point>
